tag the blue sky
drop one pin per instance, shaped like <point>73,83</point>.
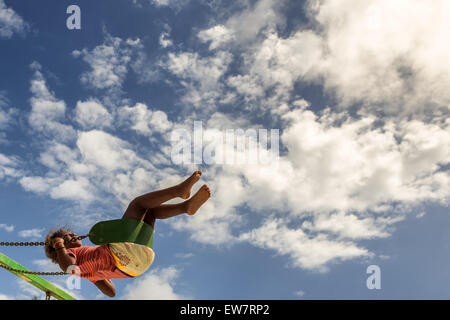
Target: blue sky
<point>357,91</point>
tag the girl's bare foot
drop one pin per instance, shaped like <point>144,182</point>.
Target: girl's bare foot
<point>186,185</point>
<point>194,203</point>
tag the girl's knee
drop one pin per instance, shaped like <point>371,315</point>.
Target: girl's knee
<point>134,210</point>
<point>150,218</point>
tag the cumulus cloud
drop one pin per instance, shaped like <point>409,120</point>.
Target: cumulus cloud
<point>214,222</point>
<point>342,177</point>
<point>260,17</point>
<point>6,112</point>
<point>164,39</point>
<point>387,56</point>
<point>396,66</point>
<point>109,63</point>
<point>176,5</point>
<point>10,22</point>
<point>276,65</point>
<point>306,252</point>
<point>143,120</point>
<point>76,173</point>
<point>99,164</point>
<point>47,114</point>
<point>31,233</point>
<point>299,293</point>
<point>92,114</point>
<point>200,76</point>
<point>218,35</point>
<point>8,118</point>
<point>158,284</point>
<point>341,183</point>
<point>5,297</point>
<point>105,151</point>
<point>73,190</point>
<point>379,52</point>
<point>46,265</point>
<point>7,228</point>
<point>9,167</point>
<point>35,184</point>
<point>343,173</point>
<point>351,226</point>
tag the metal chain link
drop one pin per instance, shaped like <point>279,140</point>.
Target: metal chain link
<point>32,272</point>
<point>25,244</point>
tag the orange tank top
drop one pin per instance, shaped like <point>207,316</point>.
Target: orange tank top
<point>96,263</point>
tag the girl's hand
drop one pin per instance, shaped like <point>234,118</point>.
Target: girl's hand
<point>55,240</point>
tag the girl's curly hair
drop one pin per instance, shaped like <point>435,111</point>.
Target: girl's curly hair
<point>50,252</point>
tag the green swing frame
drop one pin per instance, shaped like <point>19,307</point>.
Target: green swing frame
<point>35,280</point>
<point>103,232</point>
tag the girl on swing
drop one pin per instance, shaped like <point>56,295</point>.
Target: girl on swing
<point>101,263</point>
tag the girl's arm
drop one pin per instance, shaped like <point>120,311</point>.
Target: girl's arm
<point>107,287</point>
<point>64,259</point>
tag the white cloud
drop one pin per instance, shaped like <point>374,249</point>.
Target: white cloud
<point>108,63</point>
<point>389,55</point>
<point>200,76</point>
<point>308,252</point>
<point>27,291</point>
<point>10,22</point>
<point>46,265</point>
<point>395,65</point>
<point>143,120</point>
<point>161,2</point>
<point>9,167</point>
<point>184,255</point>
<point>156,284</point>
<point>6,227</point>
<point>105,151</point>
<point>357,166</point>
<point>92,114</point>
<point>340,179</point>
<point>299,293</point>
<point>164,40</point>
<point>351,226</point>
<point>31,233</point>
<point>100,164</point>
<point>421,215</point>
<point>214,221</point>
<point>73,189</point>
<point>5,297</point>
<point>261,17</point>
<point>36,184</point>
<point>6,113</point>
<point>177,5</point>
<point>218,35</point>
<point>277,64</point>
<point>47,112</point>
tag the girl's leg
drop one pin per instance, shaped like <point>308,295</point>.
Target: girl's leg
<point>140,205</point>
<point>164,211</point>
<point>190,207</point>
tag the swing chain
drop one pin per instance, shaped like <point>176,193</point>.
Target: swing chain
<point>32,272</point>
<point>36,244</point>
<point>24,244</point>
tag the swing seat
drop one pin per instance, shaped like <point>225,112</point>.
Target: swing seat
<point>122,230</point>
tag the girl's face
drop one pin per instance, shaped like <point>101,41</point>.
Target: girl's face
<point>69,236</point>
